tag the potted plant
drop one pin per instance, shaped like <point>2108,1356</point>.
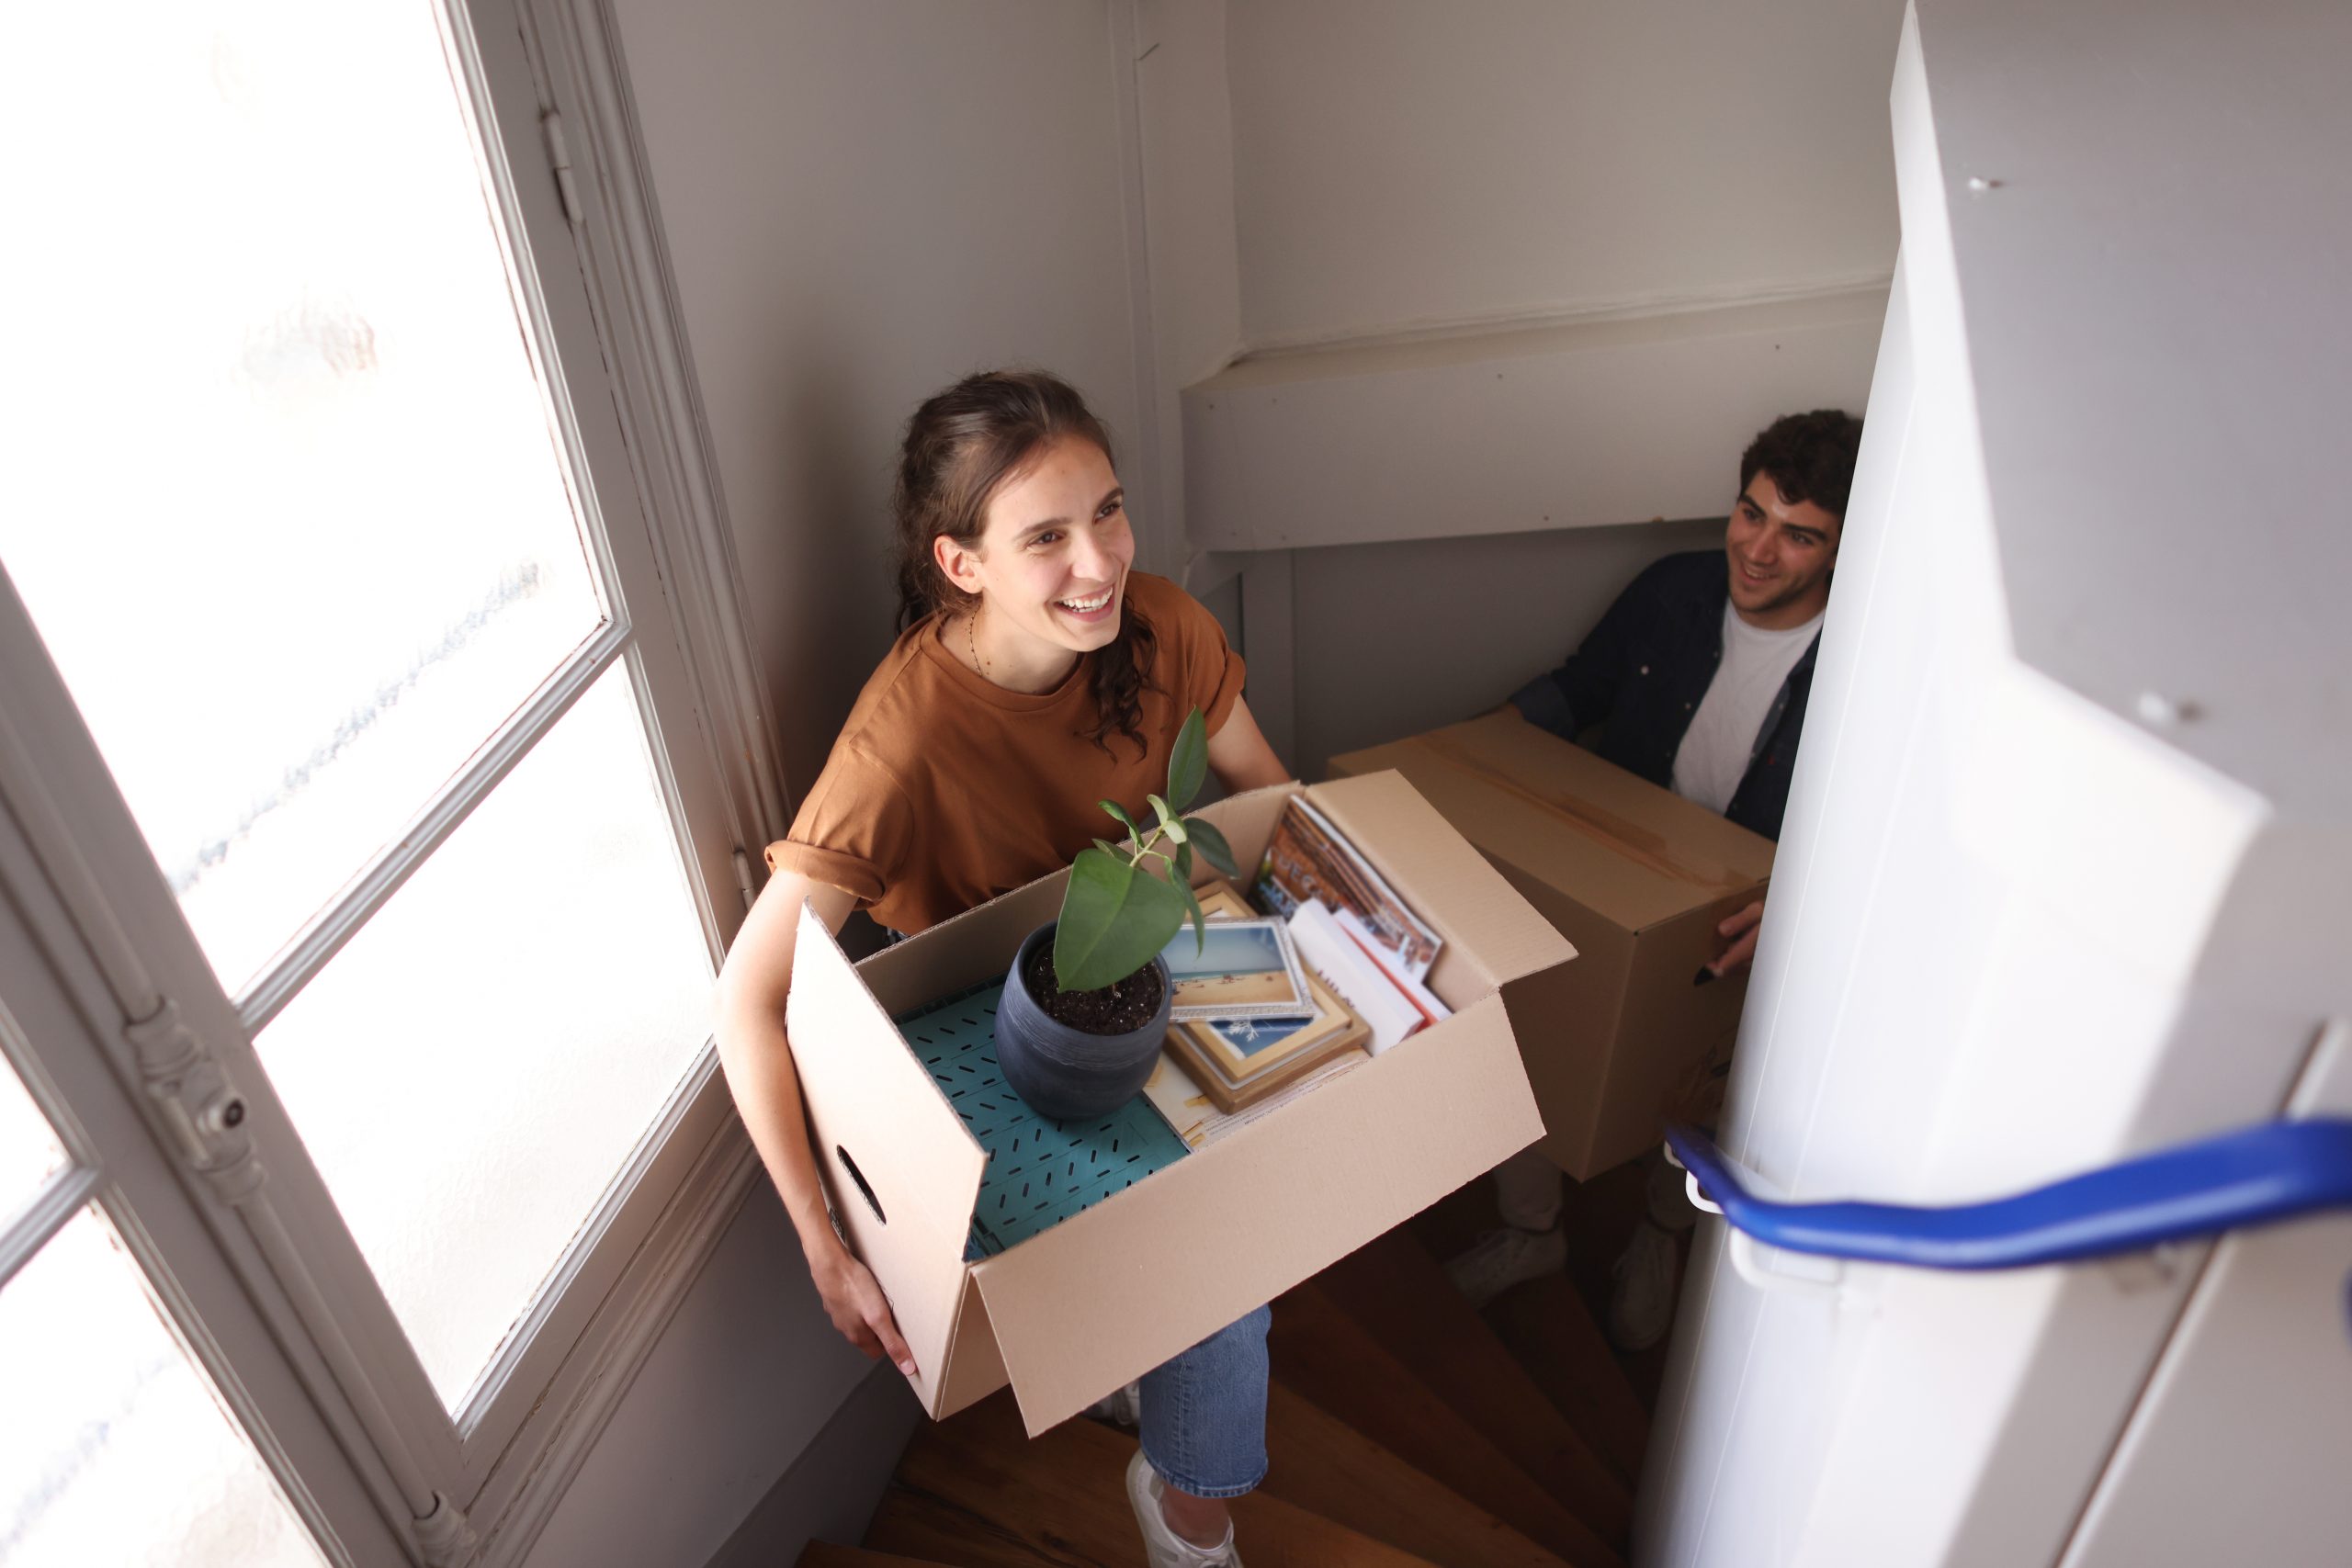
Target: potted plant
<point>1086,1002</point>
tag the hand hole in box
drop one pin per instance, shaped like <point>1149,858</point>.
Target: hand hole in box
<point>859,1177</point>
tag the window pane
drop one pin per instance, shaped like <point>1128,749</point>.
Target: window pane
<point>114,1451</point>
<point>470,1072</point>
<point>283,497</point>
<point>29,1149</point>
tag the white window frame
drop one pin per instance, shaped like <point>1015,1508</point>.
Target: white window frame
<point>307,1353</point>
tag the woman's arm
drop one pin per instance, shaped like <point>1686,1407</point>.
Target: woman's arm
<point>1239,756</point>
<point>752,985</point>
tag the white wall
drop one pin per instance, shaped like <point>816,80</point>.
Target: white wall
<point>746,1378</point>
<point>1377,671</point>
<point>1400,165</point>
<point>1185,129</point>
<point>864,199</point>
<point>1507,263</point>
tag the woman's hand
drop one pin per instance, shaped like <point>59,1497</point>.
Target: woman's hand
<point>853,1300</point>
<point>753,988</point>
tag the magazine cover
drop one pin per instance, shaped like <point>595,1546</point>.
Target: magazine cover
<point>1307,859</point>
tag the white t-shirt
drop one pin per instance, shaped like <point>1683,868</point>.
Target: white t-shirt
<point>1721,736</point>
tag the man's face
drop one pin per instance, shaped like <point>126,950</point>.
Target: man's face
<point>1780,553</point>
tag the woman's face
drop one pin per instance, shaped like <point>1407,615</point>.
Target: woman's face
<point>1054,553</point>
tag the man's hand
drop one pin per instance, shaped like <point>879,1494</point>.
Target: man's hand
<point>853,1300</point>
<point>1741,929</point>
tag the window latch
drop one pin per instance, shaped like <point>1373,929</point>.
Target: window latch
<point>567,188</point>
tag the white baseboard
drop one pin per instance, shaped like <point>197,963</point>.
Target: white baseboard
<point>832,1489</point>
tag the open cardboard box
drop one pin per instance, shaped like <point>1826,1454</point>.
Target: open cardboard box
<point>1637,878</point>
<point>1079,1309</point>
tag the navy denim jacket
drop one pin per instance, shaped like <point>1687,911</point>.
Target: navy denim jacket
<point>1643,671</point>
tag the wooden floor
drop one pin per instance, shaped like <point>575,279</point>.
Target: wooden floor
<point>1404,1428</point>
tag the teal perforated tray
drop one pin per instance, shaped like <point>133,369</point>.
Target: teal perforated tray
<point>1040,1170</point>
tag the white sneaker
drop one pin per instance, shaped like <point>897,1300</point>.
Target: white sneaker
<point>1503,1257</point>
<point>1120,1407</point>
<point>1641,1307</point>
<point>1162,1547</point>
<point>1669,1198</point>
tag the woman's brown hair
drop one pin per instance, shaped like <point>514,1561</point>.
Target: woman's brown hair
<point>961,448</point>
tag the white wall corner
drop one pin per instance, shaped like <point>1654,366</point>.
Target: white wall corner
<point>1184,118</point>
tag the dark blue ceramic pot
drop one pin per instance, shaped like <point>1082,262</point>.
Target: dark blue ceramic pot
<point>1067,1073</point>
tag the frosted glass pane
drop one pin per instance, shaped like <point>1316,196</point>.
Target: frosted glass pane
<point>283,495</point>
<point>29,1149</point>
<point>114,1451</point>
<point>470,1071</point>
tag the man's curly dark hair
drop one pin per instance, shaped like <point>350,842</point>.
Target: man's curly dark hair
<point>1810,456</point>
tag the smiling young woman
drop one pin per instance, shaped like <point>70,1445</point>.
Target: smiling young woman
<point>1035,673</point>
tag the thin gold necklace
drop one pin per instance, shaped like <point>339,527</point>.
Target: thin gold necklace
<point>972,641</point>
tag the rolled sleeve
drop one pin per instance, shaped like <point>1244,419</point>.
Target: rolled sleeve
<point>1226,692</point>
<point>853,875</point>
<point>853,831</point>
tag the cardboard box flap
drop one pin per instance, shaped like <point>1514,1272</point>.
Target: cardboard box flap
<point>1102,1298</point>
<point>903,1170</point>
<point>1635,854</point>
<point>1480,915</point>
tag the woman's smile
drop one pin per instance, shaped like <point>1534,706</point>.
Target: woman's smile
<point>1089,609</point>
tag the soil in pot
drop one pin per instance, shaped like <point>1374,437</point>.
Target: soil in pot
<point>1118,1009</point>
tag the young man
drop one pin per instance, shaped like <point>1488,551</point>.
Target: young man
<point>1700,674</point>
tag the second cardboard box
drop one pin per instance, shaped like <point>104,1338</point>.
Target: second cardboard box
<point>1636,877</point>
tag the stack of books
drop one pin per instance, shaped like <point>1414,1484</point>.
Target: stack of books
<point>1360,938</point>
<point>1262,1004</point>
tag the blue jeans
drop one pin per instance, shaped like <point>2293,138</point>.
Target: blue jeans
<point>1205,1412</point>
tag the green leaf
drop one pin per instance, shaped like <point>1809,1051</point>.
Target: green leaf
<point>1188,762</point>
<point>1184,863</point>
<point>1114,808</point>
<point>1107,847</point>
<point>1114,917</point>
<point>1167,818</point>
<point>1170,823</point>
<point>1199,921</point>
<point>1211,839</point>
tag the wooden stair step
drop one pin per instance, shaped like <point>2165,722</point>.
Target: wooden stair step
<point>976,1492</point>
<point>1273,1533</point>
<point>826,1554</point>
<point>1396,1290</point>
<point>1548,1331</point>
<point>1326,1467</point>
<point>1323,1353</point>
<point>918,1528</point>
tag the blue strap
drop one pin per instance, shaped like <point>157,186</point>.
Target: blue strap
<point>2260,1176</point>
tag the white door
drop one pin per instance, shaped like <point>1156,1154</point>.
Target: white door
<point>2063,846</point>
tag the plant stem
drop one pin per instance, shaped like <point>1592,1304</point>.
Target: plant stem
<point>1144,848</point>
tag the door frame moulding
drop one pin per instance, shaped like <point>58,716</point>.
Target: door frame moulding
<point>597,158</point>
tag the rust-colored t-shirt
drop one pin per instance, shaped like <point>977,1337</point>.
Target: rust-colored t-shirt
<point>944,789</point>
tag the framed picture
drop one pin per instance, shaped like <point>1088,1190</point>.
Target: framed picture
<point>1244,1048</point>
<point>1282,1052</point>
<point>1237,969</point>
